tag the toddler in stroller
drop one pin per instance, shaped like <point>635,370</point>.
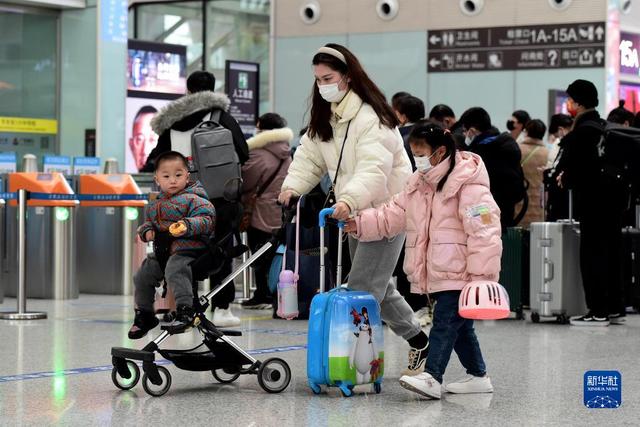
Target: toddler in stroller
<point>217,353</point>
<point>179,223</point>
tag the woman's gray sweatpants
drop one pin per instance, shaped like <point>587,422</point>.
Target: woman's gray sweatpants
<point>178,276</point>
<point>372,264</point>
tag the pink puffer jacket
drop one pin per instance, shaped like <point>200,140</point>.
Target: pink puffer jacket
<point>453,236</point>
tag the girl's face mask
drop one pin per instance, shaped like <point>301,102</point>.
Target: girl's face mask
<point>423,163</point>
<point>331,92</point>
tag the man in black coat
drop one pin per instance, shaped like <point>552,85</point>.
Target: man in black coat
<point>600,202</point>
<point>501,156</point>
<point>175,124</point>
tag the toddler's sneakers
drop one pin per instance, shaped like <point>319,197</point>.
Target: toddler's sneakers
<point>224,318</point>
<point>417,360</point>
<point>185,319</point>
<point>142,323</point>
<point>423,384</point>
<point>470,384</point>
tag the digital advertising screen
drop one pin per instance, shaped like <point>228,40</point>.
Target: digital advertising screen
<point>140,139</point>
<point>631,95</point>
<point>156,69</point>
<point>557,102</point>
<point>156,75</point>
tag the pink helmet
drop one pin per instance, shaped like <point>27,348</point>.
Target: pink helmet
<point>483,300</point>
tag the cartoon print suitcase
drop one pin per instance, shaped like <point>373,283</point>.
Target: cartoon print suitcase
<point>345,338</point>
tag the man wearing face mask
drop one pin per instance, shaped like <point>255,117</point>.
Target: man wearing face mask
<point>600,204</point>
<point>517,123</point>
<point>556,197</point>
<point>501,156</point>
<point>559,126</point>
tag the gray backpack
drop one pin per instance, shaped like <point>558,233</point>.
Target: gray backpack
<point>215,161</point>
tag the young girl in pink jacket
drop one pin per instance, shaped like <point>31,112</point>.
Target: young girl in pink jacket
<point>453,237</point>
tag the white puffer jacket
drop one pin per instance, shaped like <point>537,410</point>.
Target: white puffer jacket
<point>375,165</point>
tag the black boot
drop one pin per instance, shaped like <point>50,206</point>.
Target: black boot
<point>185,316</point>
<point>142,323</point>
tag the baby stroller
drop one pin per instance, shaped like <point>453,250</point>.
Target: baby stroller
<point>217,353</point>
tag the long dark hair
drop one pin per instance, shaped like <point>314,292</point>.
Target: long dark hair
<point>426,132</point>
<point>360,83</point>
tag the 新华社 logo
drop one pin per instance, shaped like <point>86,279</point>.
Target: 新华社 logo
<point>602,389</point>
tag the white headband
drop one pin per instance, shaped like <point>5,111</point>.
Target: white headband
<point>333,52</point>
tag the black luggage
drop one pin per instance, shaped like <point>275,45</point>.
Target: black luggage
<point>631,267</point>
<point>514,273</point>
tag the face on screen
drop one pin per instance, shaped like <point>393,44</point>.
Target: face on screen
<point>143,139</point>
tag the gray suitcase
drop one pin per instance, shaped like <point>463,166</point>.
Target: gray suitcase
<point>555,278</point>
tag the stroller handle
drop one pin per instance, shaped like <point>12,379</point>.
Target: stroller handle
<point>322,217</point>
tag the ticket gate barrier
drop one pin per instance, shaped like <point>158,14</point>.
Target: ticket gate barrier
<point>50,245</point>
<point>109,250</point>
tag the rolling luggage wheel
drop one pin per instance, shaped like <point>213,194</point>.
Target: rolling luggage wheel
<point>274,375</point>
<point>563,319</point>
<point>346,390</point>
<point>157,390</point>
<point>225,377</point>
<point>535,317</point>
<point>126,383</point>
<point>315,388</point>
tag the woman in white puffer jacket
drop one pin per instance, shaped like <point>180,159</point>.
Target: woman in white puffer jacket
<point>353,134</point>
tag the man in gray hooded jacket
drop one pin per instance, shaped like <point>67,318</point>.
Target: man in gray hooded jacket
<point>174,124</point>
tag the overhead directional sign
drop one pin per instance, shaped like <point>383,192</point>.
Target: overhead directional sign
<point>517,48</point>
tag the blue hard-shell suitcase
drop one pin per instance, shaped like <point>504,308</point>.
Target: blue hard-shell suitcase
<point>345,340</point>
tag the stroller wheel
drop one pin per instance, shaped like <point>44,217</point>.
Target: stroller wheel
<point>224,377</point>
<point>126,383</point>
<point>274,375</point>
<point>162,388</point>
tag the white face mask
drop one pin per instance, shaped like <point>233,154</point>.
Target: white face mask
<point>422,162</point>
<point>468,140</point>
<point>331,93</point>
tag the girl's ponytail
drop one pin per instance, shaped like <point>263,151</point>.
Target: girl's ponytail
<point>450,144</point>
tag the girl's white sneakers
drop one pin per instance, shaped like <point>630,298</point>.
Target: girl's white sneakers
<point>423,384</point>
<point>470,384</point>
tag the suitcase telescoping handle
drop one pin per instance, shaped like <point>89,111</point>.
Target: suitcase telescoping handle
<point>570,206</point>
<point>322,217</point>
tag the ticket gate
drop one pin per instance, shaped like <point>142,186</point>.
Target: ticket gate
<point>50,243</point>
<point>109,250</point>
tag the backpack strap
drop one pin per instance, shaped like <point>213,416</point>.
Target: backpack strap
<point>531,153</point>
<point>269,180</point>
<point>215,116</point>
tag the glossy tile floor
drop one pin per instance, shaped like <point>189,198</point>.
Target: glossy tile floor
<point>57,372</point>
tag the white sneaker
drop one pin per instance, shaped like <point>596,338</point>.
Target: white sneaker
<point>470,384</point>
<point>423,316</point>
<point>224,318</point>
<point>423,384</point>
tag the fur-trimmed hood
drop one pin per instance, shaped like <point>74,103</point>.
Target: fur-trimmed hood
<point>267,137</point>
<point>186,106</point>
